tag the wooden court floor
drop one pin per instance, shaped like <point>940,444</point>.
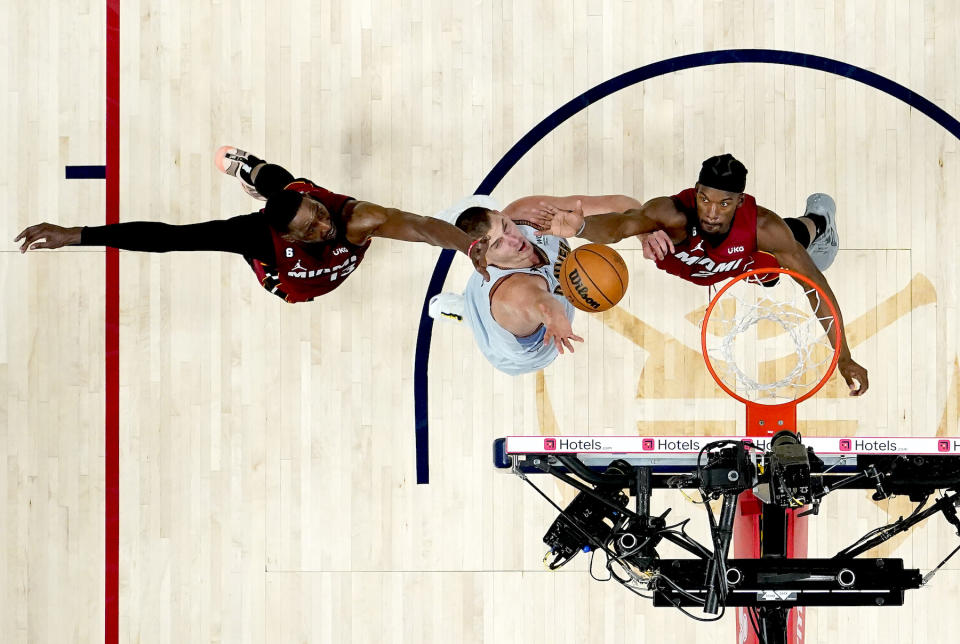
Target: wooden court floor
<point>266,451</point>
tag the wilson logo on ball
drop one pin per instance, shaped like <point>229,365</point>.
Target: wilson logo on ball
<point>581,290</point>
<point>593,277</point>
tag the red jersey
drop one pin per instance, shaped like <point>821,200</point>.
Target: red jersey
<point>696,260</point>
<point>305,271</point>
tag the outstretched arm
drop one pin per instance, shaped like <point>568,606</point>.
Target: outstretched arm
<point>657,214</point>
<point>774,236</point>
<point>371,220</point>
<point>521,303</point>
<point>247,235</point>
<point>529,210</point>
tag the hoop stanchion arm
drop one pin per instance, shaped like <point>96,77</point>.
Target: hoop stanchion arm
<point>766,420</point>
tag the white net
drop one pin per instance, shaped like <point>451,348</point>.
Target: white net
<point>767,344</point>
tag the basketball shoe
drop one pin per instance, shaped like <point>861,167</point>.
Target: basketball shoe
<point>823,249</point>
<point>238,163</point>
<point>447,306</point>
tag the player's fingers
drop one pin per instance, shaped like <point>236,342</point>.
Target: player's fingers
<point>568,345</point>
<point>663,243</point>
<point>22,234</point>
<point>576,337</point>
<point>856,380</point>
<point>539,216</point>
<point>649,252</point>
<point>861,378</point>
<point>28,239</point>
<point>548,208</point>
<point>656,252</point>
<point>657,246</point>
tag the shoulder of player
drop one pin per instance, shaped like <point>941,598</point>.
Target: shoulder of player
<point>769,221</point>
<point>772,232</point>
<point>511,297</point>
<point>254,222</point>
<point>664,211</point>
<point>516,288</point>
<point>367,217</point>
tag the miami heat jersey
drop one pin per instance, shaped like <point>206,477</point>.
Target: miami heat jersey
<point>305,271</point>
<point>696,260</point>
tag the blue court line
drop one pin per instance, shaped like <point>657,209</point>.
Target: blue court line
<point>594,94</point>
<point>86,172</point>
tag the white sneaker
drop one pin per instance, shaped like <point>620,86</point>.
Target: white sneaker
<point>447,306</point>
<point>229,160</point>
<point>450,214</point>
<point>823,249</point>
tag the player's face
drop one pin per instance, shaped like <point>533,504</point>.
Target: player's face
<point>312,223</point>
<point>508,247</point>
<point>715,209</point>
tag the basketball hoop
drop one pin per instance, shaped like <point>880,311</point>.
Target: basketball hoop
<point>766,346</point>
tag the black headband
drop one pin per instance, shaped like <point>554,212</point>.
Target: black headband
<point>723,173</point>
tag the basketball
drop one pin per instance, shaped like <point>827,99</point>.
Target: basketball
<point>594,277</point>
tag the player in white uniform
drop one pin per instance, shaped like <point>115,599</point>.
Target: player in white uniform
<point>514,351</point>
<point>520,319</point>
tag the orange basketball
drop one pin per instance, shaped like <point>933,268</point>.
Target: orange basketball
<point>594,277</point>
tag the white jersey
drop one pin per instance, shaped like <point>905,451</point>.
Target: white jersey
<point>505,351</point>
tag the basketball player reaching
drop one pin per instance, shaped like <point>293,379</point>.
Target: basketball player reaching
<point>303,244</point>
<point>714,231</point>
<point>520,319</point>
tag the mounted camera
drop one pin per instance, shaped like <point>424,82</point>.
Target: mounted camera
<point>728,469</point>
<point>788,483</point>
<point>584,521</point>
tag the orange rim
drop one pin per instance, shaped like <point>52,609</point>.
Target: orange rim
<point>804,280</point>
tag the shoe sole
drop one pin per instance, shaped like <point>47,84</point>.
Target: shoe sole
<point>231,168</point>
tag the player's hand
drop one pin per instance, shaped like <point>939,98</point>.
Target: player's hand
<point>558,330</point>
<point>563,223</point>
<point>531,215</point>
<point>478,255</point>
<point>52,236</point>
<point>851,372</point>
<point>656,245</point>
